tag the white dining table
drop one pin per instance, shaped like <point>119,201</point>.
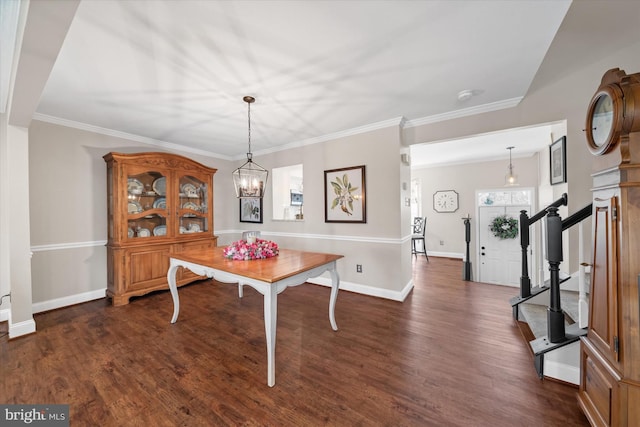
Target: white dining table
<point>269,276</point>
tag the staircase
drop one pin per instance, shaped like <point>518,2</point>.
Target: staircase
<point>552,319</point>
<point>553,360</point>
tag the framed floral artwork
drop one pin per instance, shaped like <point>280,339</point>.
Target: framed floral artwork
<point>345,195</point>
<point>251,209</point>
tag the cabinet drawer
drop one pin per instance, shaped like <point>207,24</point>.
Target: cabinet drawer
<point>195,245</point>
<point>598,389</point>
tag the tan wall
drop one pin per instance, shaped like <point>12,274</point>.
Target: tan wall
<point>465,179</point>
<point>377,245</point>
<point>560,92</point>
<point>68,205</point>
<point>69,221</point>
<point>67,171</point>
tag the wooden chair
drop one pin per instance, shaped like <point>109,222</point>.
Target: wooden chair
<point>245,234</point>
<point>254,233</point>
<point>419,230</point>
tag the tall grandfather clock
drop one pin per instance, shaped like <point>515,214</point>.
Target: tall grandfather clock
<point>609,391</point>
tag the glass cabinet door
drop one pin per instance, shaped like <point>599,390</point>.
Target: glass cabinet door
<point>146,204</point>
<point>193,205</point>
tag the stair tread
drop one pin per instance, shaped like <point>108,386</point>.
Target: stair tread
<point>536,315</point>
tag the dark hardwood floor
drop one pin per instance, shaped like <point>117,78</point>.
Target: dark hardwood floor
<point>450,355</point>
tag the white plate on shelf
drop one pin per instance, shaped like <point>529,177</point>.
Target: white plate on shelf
<point>144,232</point>
<point>189,189</point>
<point>160,230</point>
<point>134,186</point>
<point>193,228</point>
<point>130,233</point>
<point>191,205</point>
<point>182,230</point>
<point>160,186</point>
<point>160,203</point>
<point>134,207</point>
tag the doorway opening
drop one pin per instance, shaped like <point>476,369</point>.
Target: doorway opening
<point>500,255</point>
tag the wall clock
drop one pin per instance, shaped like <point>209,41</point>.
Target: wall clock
<point>445,201</point>
<point>611,112</point>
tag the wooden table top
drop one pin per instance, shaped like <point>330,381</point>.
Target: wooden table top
<point>287,263</point>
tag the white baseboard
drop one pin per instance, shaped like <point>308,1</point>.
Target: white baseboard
<point>69,300</point>
<point>366,290</point>
<point>445,254</point>
<point>21,328</point>
<point>29,326</point>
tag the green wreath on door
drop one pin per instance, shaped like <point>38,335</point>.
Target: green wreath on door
<point>504,227</point>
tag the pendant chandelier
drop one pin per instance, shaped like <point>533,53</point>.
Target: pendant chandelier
<point>510,178</point>
<point>250,179</point>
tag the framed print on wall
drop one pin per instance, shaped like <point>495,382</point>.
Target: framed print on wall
<point>251,209</point>
<point>345,195</point>
<point>558,161</point>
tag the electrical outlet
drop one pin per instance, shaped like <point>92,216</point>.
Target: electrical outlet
<point>441,242</point>
<point>358,268</point>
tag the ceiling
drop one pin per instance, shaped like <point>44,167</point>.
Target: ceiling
<point>483,148</point>
<point>176,71</point>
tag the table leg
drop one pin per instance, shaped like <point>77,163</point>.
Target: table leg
<point>270,321</point>
<point>171,278</point>
<point>335,284</point>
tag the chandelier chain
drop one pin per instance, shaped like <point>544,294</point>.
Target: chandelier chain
<point>249,119</point>
<point>510,162</point>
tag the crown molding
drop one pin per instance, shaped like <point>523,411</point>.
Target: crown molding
<point>485,108</point>
<point>130,136</point>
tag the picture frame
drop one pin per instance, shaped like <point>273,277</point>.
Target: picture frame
<point>251,209</point>
<point>345,195</point>
<point>296,198</point>
<point>558,161</point>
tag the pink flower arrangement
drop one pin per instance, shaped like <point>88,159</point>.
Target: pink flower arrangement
<point>241,250</point>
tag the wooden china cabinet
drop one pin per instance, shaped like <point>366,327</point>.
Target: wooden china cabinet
<point>158,204</point>
<point>609,393</point>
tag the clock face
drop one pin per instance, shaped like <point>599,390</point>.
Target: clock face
<point>605,119</point>
<point>602,119</point>
<point>445,201</point>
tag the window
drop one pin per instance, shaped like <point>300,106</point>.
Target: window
<point>287,193</point>
<point>416,199</point>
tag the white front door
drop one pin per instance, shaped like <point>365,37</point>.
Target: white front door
<point>500,259</point>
